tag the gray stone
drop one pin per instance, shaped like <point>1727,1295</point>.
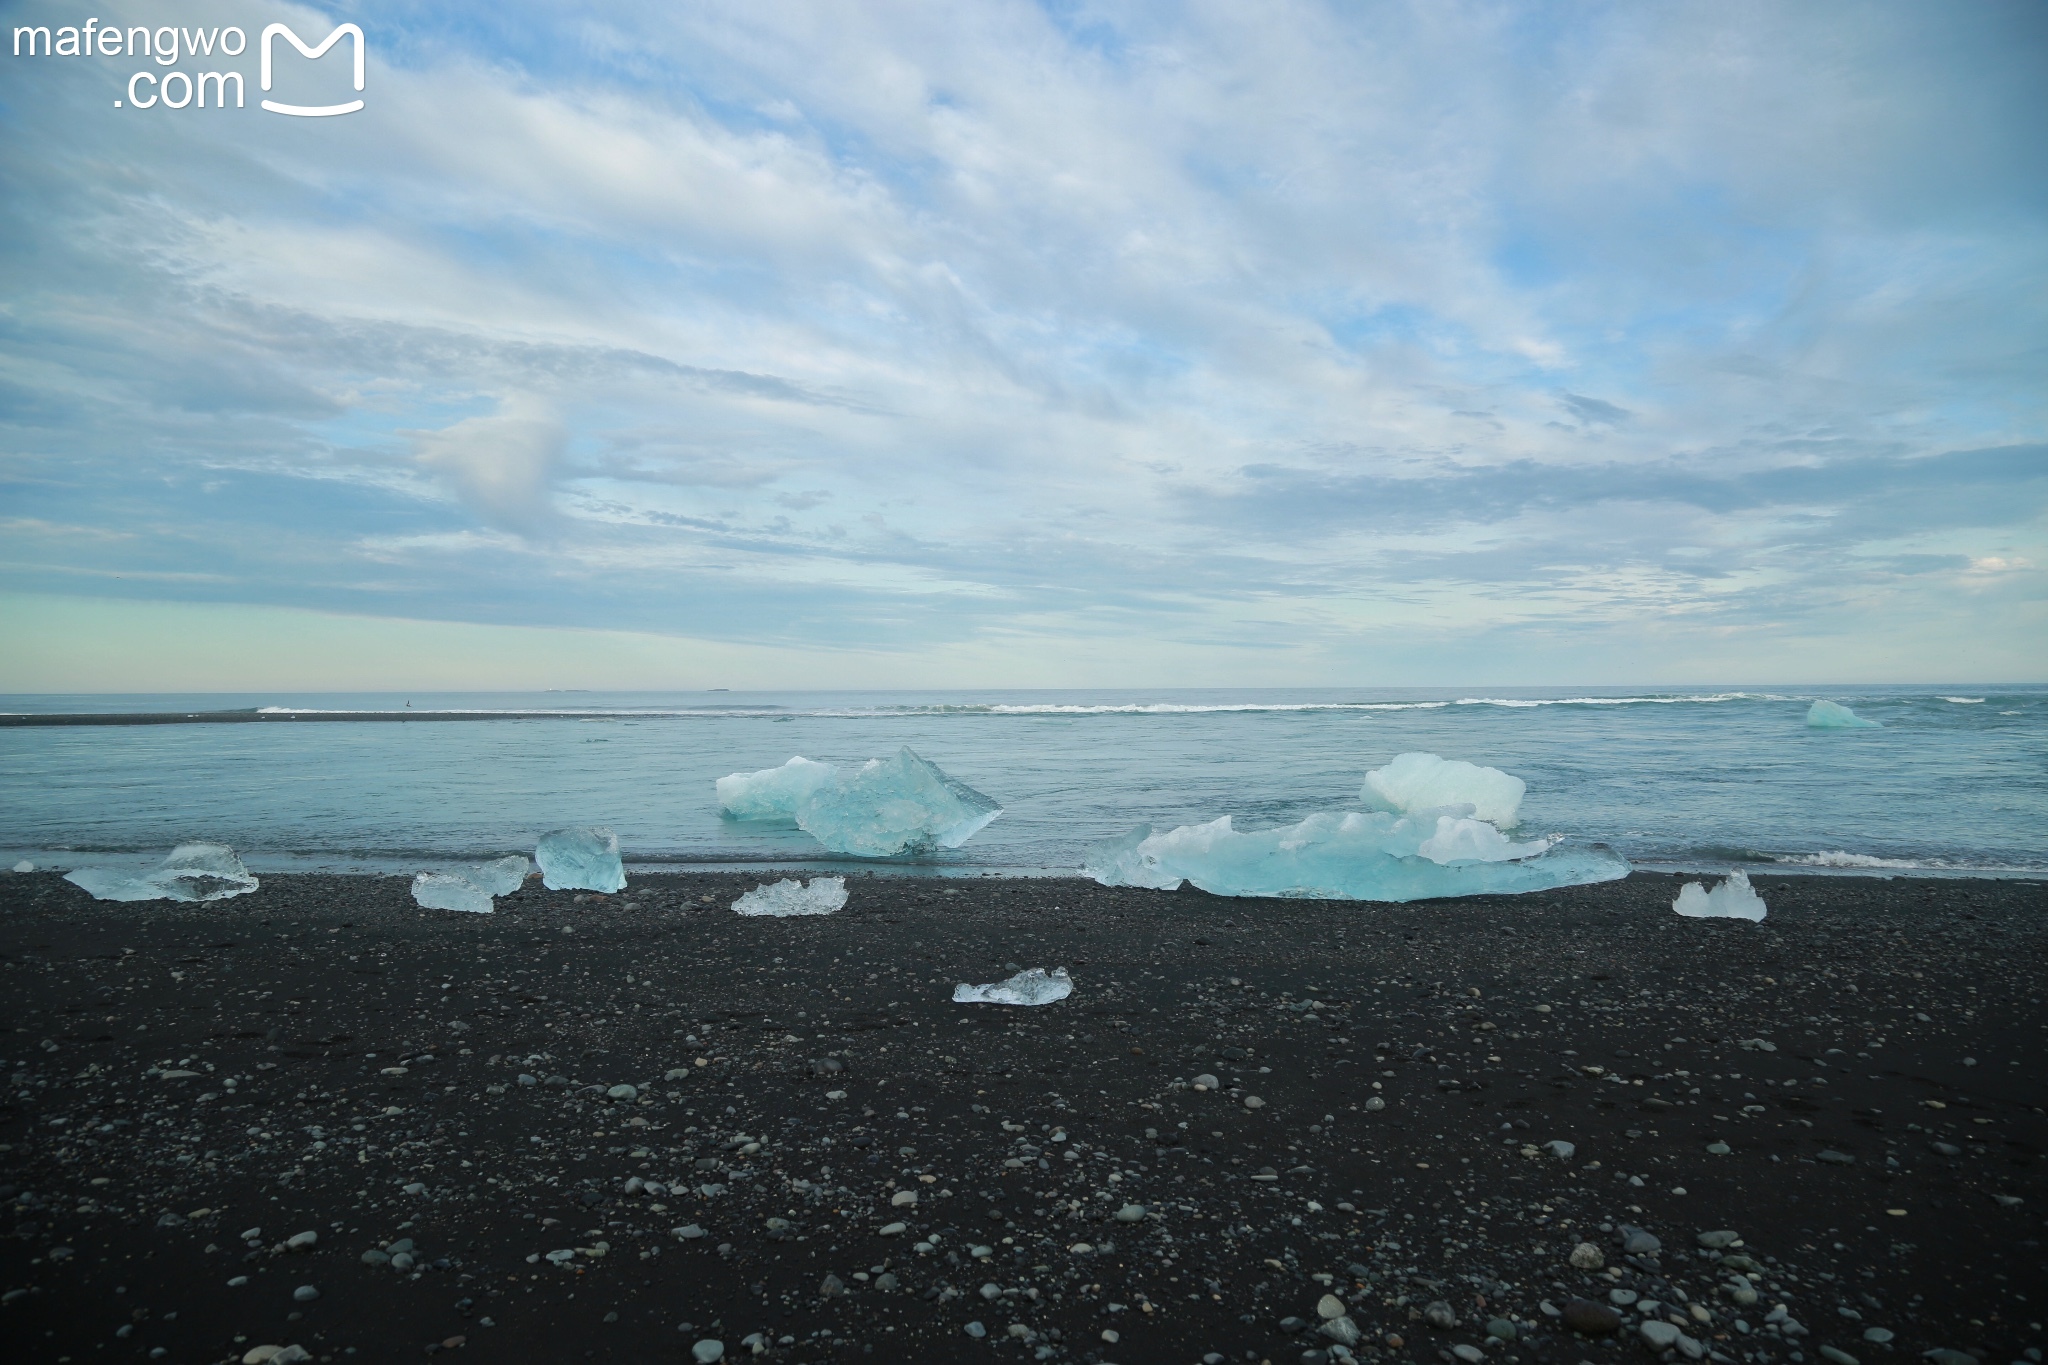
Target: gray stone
<point>886,1282</point>
<point>1835,1158</point>
<point>1329,1306</point>
<point>1719,1240</point>
<point>1943,1355</point>
<point>305,1293</point>
<point>1501,1329</point>
<point>1659,1334</point>
<point>1838,1355</point>
<point>1208,1082</point>
<point>1877,1336</point>
<point>1946,1148</point>
<point>1375,1104</point>
<point>1636,1242</point>
<point>1621,1298</point>
<point>1562,1150</point>
<point>1586,1256</point>
<point>1594,1319</point>
<point>1441,1316</point>
<point>402,1261</point>
<point>1471,1355</point>
<point>831,1285</point>
<point>622,1092</point>
<point>975,1330</point>
<point>1131,1213</point>
<point>1342,1330</point>
<point>709,1351</point>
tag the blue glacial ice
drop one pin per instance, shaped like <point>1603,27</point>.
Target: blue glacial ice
<point>1034,987</point>
<point>1832,715</point>
<point>882,809</point>
<point>772,793</point>
<point>791,897</point>
<point>1415,852</point>
<point>472,890</point>
<point>585,858</point>
<point>1734,898</point>
<point>450,891</point>
<point>192,872</point>
<point>1418,782</point>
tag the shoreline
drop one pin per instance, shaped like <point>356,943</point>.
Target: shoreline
<point>376,1052</point>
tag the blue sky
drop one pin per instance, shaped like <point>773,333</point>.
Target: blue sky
<point>1002,344</point>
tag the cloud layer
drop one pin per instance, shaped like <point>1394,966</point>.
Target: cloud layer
<point>1280,343</point>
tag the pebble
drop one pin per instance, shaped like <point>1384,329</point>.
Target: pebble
<point>1111,1335</point>
<point>1636,1242</point>
<point>1471,1355</point>
<point>1659,1334</point>
<point>1254,1102</point>
<point>1329,1306</point>
<point>1835,1158</point>
<point>299,1241</point>
<point>1207,1082</point>
<point>1501,1328</point>
<point>1621,1298</point>
<point>305,1293</point>
<point>1375,1104</point>
<point>1131,1213</point>
<point>1441,1316</point>
<point>1719,1240</point>
<point>1562,1150</point>
<point>709,1351</point>
<point>1719,1149</point>
<point>689,1232</point>
<point>1594,1319</point>
<point>903,1199</point>
<point>893,1229</point>
<point>1586,1256</point>
<point>1877,1336</point>
<point>975,1330</point>
<point>622,1092</point>
<point>1838,1355</point>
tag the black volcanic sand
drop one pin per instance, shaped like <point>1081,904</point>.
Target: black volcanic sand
<point>197,1087</point>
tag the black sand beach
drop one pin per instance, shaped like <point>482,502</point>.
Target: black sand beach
<point>419,1117</point>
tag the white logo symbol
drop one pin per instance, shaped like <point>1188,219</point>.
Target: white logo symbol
<point>312,53</point>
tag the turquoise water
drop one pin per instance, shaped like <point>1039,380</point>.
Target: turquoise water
<point>1956,781</point>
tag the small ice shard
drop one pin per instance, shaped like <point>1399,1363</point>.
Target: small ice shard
<point>1418,782</point>
<point>791,897</point>
<point>886,807</point>
<point>1832,715</point>
<point>501,876</point>
<point>585,858</point>
<point>24,866</point>
<point>193,872</point>
<point>1034,987</point>
<point>450,891</point>
<point>772,793</point>
<point>1732,899</point>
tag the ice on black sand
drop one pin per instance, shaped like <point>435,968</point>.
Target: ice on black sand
<point>1437,828</point>
<point>884,808</point>
<point>1734,898</point>
<point>193,872</point>
<point>584,858</point>
<point>470,891</point>
<point>791,897</point>
<point>1034,987</point>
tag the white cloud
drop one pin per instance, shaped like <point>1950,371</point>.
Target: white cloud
<point>502,466</point>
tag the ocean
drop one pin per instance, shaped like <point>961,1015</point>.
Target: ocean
<point>1955,783</point>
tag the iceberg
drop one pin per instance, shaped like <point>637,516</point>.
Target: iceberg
<point>192,872</point>
<point>450,891</point>
<point>1419,782</point>
<point>585,858</point>
<point>1832,715</point>
<point>884,808</point>
<point>791,897</point>
<point>1374,856</point>
<point>772,793</point>
<point>1732,899</point>
<point>1034,987</point>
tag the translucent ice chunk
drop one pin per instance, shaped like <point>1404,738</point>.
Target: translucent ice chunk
<point>890,806</point>
<point>792,897</point>
<point>1732,899</point>
<point>772,793</point>
<point>501,876</point>
<point>24,866</point>
<point>193,872</point>
<point>585,858</point>
<point>1034,987</point>
<point>451,891</point>
<point>1351,856</point>
<point>1417,782</point>
<point>1832,715</point>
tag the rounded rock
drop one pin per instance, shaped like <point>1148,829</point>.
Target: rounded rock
<point>1329,1306</point>
<point>1838,1355</point>
<point>1375,1104</point>
<point>1471,1355</point>
<point>305,1293</point>
<point>709,1351</point>
<point>1254,1102</point>
<point>1501,1329</point>
<point>1877,1336</point>
<point>1586,1256</point>
<point>622,1092</point>
<point>1593,1319</point>
<point>1131,1213</point>
<point>975,1330</point>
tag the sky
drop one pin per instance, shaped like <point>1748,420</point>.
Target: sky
<point>985,344</point>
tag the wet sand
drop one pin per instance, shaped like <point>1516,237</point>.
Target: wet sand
<point>193,1088</point>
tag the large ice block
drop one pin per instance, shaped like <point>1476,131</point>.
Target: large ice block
<point>192,872</point>
<point>1418,782</point>
<point>584,858</point>
<point>1034,987</point>
<point>1832,715</point>
<point>791,897</point>
<point>450,891</point>
<point>1375,856</point>
<point>894,805</point>
<point>1734,898</point>
<point>772,793</point>
<point>501,876</point>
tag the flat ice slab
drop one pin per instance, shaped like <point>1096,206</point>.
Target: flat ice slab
<point>584,858</point>
<point>501,876</point>
<point>791,897</point>
<point>885,808</point>
<point>450,891</point>
<point>192,872</point>
<point>1734,898</point>
<point>1034,987</point>
<point>1832,715</point>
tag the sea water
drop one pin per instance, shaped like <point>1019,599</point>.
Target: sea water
<point>1956,781</point>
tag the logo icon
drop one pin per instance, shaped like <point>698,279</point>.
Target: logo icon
<point>312,54</point>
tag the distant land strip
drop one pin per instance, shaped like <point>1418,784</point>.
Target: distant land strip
<point>251,715</point>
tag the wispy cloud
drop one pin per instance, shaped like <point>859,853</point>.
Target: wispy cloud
<point>1292,336</point>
